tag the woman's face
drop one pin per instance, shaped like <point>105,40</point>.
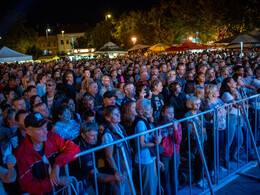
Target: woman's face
<point>133,109</point>
<point>215,93</point>
<point>57,74</point>
<point>11,95</point>
<point>168,114</point>
<point>201,78</point>
<point>148,112</point>
<point>71,105</point>
<point>66,116</point>
<point>115,116</point>
<point>37,100</point>
<point>232,84</point>
<point>195,106</point>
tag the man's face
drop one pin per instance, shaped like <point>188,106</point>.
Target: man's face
<point>50,87</point>
<point>109,101</point>
<point>106,81</point>
<point>19,105</point>
<point>93,88</point>
<point>130,90</point>
<point>90,137</point>
<point>90,119</point>
<point>37,134</point>
<point>181,70</point>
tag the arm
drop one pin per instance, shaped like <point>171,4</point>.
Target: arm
<point>110,159</point>
<point>66,148</point>
<point>178,134</point>
<point>101,177</point>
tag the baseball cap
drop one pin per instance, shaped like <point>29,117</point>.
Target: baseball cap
<point>109,94</point>
<point>34,119</point>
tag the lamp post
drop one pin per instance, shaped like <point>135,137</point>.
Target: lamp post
<point>108,16</point>
<point>241,45</point>
<point>47,30</point>
<point>134,39</point>
<point>62,35</point>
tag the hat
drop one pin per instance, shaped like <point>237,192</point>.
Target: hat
<point>34,119</point>
<point>109,94</point>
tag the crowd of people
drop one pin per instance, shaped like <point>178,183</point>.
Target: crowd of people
<point>51,111</point>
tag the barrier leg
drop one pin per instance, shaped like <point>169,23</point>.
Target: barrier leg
<point>129,174</point>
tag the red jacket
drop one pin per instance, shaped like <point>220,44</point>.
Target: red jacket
<point>27,156</point>
<point>167,140</point>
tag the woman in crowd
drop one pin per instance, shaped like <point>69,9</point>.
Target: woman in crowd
<point>74,116</point>
<point>147,160</point>
<point>228,94</point>
<point>199,92</point>
<point>112,132</point>
<point>213,102</point>
<point>173,132</point>
<point>66,127</point>
<point>35,99</point>
<point>128,116</point>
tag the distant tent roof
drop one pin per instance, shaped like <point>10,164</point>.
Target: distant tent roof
<point>9,55</point>
<point>245,38</point>
<point>48,58</point>
<point>138,46</point>
<point>109,45</point>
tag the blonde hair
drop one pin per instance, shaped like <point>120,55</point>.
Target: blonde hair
<point>192,101</point>
<point>209,89</point>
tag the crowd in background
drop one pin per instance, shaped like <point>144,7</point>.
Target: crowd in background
<point>51,111</point>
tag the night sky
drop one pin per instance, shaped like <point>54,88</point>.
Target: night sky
<point>42,12</point>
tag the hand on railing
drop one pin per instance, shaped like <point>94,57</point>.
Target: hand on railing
<point>65,180</point>
<point>120,177</point>
<point>158,139</point>
<point>54,176</point>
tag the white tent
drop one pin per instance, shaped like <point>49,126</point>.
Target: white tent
<point>9,55</point>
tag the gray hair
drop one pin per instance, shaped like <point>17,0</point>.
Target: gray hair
<point>142,104</point>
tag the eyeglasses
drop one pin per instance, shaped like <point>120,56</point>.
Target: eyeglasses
<point>49,85</point>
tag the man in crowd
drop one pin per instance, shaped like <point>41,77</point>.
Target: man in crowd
<point>41,155</point>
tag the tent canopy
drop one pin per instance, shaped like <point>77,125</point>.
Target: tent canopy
<point>237,39</point>
<point>158,47</point>
<point>9,55</point>
<point>187,45</point>
<point>138,46</point>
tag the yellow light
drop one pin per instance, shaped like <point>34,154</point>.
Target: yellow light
<point>190,38</point>
<point>134,39</point>
<point>49,30</point>
<point>62,31</point>
<point>108,16</point>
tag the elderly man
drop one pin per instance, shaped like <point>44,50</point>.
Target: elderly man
<point>106,85</point>
<point>41,155</point>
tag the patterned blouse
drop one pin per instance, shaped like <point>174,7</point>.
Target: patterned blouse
<point>67,130</point>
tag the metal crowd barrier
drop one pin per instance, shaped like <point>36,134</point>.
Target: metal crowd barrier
<point>211,186</point>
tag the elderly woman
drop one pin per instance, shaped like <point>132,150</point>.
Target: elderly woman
<point>115,131</point>
<point>65,126</point>
<point>147,160</point>
<point>213,102</point>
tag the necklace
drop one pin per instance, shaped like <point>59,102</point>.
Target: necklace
<point>37,147</point>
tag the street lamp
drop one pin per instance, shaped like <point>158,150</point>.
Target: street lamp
<point>190,38</point>
<point>47,30</point>
<point>134,39</point>
<point>108,16</point>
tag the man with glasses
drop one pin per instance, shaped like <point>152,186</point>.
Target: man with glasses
<point>52,98</point>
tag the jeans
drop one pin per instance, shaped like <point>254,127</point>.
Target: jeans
<point>168,175</point>
<point>235,135</point>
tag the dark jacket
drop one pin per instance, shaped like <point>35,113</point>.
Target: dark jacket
<point>81,167</point>
<point>58,99</point>
<point>116,136</point>
<point>179,104</point>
